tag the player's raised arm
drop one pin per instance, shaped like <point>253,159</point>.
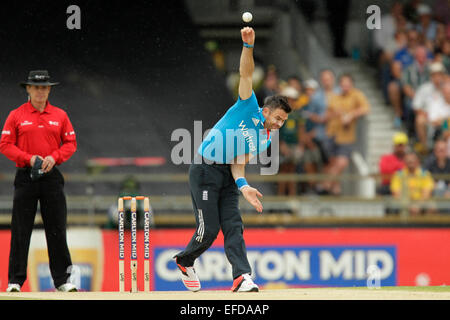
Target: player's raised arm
<point>247,65</point>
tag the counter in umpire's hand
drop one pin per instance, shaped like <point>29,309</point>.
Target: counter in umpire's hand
<point>36,169</point>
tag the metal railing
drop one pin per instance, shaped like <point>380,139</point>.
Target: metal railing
<point>92,208</point>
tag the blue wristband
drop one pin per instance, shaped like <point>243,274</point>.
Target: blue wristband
<point>241,182</point>
<point>248,45</point>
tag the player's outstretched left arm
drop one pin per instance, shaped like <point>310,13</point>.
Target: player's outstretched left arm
<point>247,64</point>
<point>250,194</point>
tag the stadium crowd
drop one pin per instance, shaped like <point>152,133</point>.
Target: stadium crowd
<point>320,134</point>
<point>413,55</point>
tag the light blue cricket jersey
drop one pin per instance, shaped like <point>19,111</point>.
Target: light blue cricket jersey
<point>239,131</point>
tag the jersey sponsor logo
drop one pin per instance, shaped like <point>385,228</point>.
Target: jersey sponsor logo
<point>247,136</point>
<point>6,132</point>
<point>71,133</point>
<point>53,123</point>
<point>26,123</point>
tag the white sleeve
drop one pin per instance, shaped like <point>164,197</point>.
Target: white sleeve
<point>418,102</point>
<point>438,110</point>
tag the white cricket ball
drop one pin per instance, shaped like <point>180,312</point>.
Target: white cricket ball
<point>247,17</point>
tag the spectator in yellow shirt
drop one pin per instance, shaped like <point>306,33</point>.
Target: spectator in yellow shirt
<point>419,183</point>
<point>344,110</point>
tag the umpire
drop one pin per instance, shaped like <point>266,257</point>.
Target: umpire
<point>37,137</point>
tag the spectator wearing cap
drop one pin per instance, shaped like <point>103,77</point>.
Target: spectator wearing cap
<point>302,100</point>
<point>428,107</point>
<point>439,112</point>
<point>291,94</point>
<point>426,27</point>
<point>392,162</point>
<point>419,186</point>
<point>291,150</point>
<point>438,163</point>
<point>311,86</point>
<point>344,111</point>
<point>317,110</point>
<point>313,157</point>
<point>410,10</point>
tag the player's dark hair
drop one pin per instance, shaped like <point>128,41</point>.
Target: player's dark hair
<point>277,101</point>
